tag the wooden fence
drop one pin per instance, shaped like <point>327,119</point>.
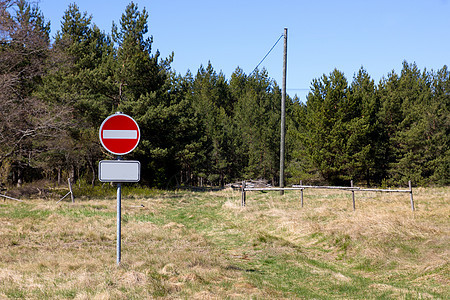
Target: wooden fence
<point>351,188</point>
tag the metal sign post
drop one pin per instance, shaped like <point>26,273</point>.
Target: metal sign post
<point>119,221</point>
<point>119,134</point>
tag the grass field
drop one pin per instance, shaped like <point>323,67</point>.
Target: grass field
<point>203,245</point>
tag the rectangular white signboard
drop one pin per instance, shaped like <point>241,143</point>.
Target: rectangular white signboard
<point>119,171</point>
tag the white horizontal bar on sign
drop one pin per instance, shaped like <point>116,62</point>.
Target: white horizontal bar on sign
<point>120,134</point>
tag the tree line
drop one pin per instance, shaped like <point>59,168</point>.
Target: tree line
<point>203,129</point>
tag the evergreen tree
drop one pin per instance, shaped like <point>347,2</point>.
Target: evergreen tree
<point>365,137</point>
<point>171,143</point>
<point>155,97</point>
<point>74,77</point>
<point>327,114</point>
<point>137,71</point>
<point>437,130</point>
<point>419,142</point>
<point>210,98</point>
<point>257,119</point>
<point>300,166</point>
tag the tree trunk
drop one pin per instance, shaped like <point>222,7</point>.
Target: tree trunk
<point>59,175</point>
<point>93,173</point>
<point>19,177</point>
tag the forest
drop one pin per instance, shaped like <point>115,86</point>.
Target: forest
<point>203,128</point>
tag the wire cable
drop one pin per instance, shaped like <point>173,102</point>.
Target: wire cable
<point>266,55</point>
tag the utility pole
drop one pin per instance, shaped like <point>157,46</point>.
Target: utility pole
<point>283,113</point>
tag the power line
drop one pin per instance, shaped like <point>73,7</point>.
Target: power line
<point>266,55</point>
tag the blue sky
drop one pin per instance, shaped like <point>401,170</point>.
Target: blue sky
<point>322,34</point>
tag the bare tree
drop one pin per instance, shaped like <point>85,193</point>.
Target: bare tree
<point>27,124</point>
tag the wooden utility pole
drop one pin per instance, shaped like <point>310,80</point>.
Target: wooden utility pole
<point>283,113</point>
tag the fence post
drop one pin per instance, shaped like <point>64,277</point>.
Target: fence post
<point>353,195</point>
<point>69,193</point>
<point>301,192</point>
<point>411,194</point>
<point>243,194</point>
<point>70,190</point>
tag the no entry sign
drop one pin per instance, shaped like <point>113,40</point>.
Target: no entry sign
<point>119,134</point>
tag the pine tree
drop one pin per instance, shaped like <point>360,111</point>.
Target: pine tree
<point>210,100</point>
<point>437,130</point>
<point>365,137</point>
<point>257,119</point>
<point>420,139</point>
<point>137,71</point>
<point>300,166</point>
<point>328,114</point>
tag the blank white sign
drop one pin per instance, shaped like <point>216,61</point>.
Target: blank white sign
<point>119,171</point>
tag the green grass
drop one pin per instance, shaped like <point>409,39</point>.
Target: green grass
<point>22,211</point>
<point>84,190</point>
<point>81,213</point>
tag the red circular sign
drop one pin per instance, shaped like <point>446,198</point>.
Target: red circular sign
<point>119,134</point>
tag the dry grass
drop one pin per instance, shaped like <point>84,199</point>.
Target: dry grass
<point>383,239</point>
<point>205,246</point>
<point>381,218</point>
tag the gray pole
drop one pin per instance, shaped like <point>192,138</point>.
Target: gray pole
<point>119,218</point>
<point>119,212</point>
<point>243,194</point>
<point>70,190</point>
<point>301,183</point>
<point>353,196</point>
<point>283,112</point>
<point>411,195</point>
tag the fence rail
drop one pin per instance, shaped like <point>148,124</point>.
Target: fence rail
<point>350,188</point>
<point>11,198</point>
